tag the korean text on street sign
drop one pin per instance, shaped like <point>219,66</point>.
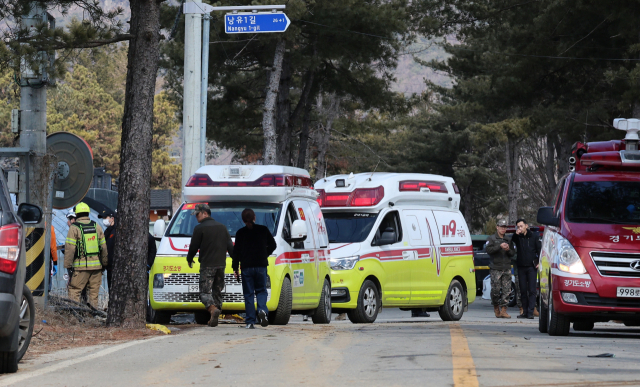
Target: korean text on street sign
<point>255,23</point>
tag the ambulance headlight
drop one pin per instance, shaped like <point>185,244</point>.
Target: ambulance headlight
<point>346,263</point>
<point>568,259</point>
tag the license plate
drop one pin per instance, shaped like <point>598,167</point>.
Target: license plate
<point>194,288</point>
<point>629,292</point>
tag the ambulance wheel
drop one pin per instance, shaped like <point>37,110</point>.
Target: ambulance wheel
<point>8,362</point>
<point>543,321</point>
<point>558,324</point>
<point>368,305</point>
<point>453,307</point>
<point>158,317</point>
<point>281,315</point>
<point>202,317</point>
<point>583,326</point>
<point>323,313</point>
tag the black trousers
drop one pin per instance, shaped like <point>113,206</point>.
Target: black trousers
<point>527,275</point>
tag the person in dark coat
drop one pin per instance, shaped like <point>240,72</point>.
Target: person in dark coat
<point>109,221</point>
<point>528,245</point>
<point>254,244</point>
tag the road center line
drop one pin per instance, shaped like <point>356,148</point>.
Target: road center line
<point>12,380</point>
<point>464,370</point>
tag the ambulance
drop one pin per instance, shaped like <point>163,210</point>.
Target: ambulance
<point>397,240</point>
<point>283,200</point>
<point>590,261</point>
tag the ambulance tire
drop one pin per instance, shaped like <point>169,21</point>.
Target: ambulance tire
<point>453,307</point>
<point>559,324</point>
<point>323,312</point>
<point>368,306</point>
<point>202,318</point>
<point>281,315</point>
<point>543,321</point>
<point>158,317</point>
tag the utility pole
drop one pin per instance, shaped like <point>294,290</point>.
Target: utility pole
<point>191,96</point>
<point>35,168</point>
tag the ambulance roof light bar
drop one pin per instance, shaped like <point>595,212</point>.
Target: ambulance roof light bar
<point>361,197</point>
<point>418,186</point>
<point>631,126</point>
<point>270,180</point>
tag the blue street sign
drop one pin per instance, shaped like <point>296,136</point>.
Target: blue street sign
<point>255,23</point>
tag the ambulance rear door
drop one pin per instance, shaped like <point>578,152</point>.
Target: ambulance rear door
<point>455,242</point>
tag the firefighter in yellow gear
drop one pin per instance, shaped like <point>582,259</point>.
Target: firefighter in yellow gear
<point>86,254</point>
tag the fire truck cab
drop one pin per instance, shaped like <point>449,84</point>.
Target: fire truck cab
<point>590,261</point>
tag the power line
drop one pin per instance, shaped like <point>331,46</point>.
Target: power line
<point>343,29</point>
<point>549,56</point>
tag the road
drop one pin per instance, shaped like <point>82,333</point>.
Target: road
<point>397,350</point>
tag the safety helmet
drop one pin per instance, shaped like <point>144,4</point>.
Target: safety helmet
<point>82,207</point>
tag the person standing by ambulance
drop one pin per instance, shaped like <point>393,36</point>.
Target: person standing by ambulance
<point>500,249</point>
<point>86,253</point>
<point>214,241</point>
<point>254,244</point>
<point>528,244</point>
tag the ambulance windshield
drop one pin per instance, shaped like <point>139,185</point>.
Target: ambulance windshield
<point>348,227</point>
<point>229,214</point>
<point>604,202</point>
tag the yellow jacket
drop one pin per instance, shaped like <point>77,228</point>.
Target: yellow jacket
<point>81,263</point>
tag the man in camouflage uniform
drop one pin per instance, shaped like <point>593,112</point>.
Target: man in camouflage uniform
<point>500,249</point>
<point>85,254</point>
<point>213,240</point>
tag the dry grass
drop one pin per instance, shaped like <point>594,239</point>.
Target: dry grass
<point>63,330</point>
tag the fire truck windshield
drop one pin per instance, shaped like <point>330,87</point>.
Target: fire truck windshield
<point>348,227</point>
<point>604,202</point>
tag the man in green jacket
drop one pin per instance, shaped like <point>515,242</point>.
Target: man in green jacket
<point>213,240</point>
<point>500,249</point>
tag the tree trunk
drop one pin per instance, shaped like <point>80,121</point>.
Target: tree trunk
<point>550,168</point>
<point>305,139</point>
<point>513,178</point>
<point>324,132</point>
<point>283,129</point>
<point>304,132</point>
<point>127,298</point>
<point>268,118</point>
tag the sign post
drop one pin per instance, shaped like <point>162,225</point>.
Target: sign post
<point>196,66</point>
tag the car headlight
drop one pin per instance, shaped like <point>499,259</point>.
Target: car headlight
<point>346,263</point>
<point>568,259</point>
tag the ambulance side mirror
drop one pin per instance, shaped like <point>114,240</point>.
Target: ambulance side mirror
<point>298,231</point>
<point>547,217</point>
<point>158,229</point>
<point>29,213</point>
<point>388,237</point>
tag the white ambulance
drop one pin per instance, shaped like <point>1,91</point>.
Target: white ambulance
<point>284,200</point>
<point>397,240</point>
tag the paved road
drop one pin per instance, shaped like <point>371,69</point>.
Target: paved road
<point>395,351</point>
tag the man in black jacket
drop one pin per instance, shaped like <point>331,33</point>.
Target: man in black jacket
<point>213,240</point>
<point>254,244</point>
<point>528,246</point>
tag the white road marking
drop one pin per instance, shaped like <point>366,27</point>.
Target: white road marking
<point>12,380</point>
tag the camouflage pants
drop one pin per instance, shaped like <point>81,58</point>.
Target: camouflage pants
<point>500,287</point>
<point>518,298</point>
<point>211,286</point>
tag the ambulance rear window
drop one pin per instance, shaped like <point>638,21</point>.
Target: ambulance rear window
<point>229,214</point>
<point>349,227</point>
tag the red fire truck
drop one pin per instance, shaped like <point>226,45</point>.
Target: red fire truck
<point>590,260</point>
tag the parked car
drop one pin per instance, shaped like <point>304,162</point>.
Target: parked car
<point>481,260</point>
<point>17,311</point>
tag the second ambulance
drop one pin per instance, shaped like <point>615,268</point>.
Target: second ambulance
<point>397,240</point>
<point>283,200</point>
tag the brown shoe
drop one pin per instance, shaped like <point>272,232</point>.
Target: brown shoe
<point>496,309</point>
<point>535,312</point>
<point>521,310</point>
<point>215,313</point>
<point>503,313</point>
